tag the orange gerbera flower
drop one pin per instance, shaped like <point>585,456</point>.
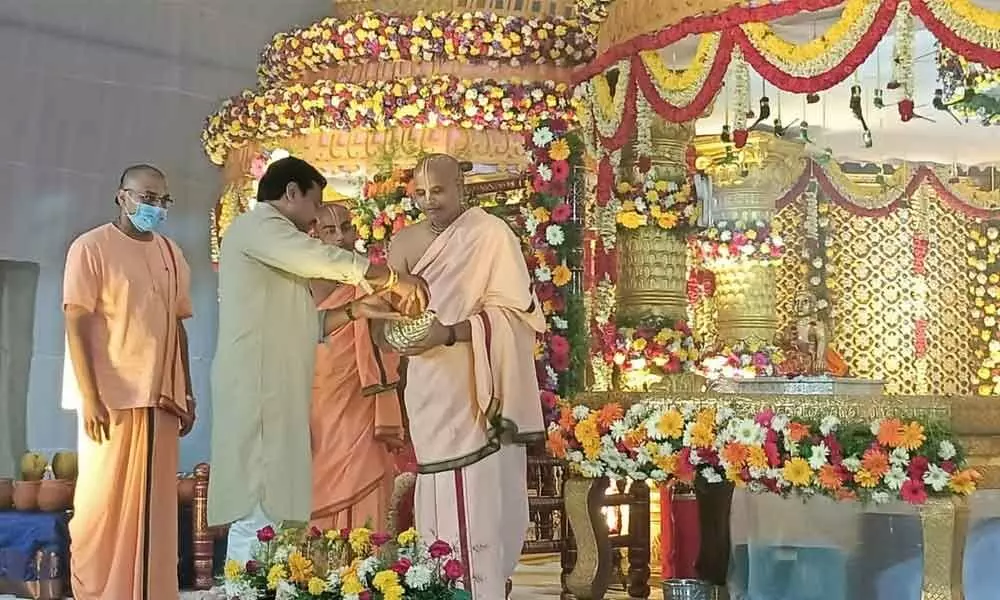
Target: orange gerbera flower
<point>846,494</point>
<point>829,478</point>
<point>890,432</point>
<point>964,482</point>
<point>608,414</point>
<point>735,454</point>
<point>556,444</point>
<point>566,420</point>
<point>875,462</point>
<point>912,436</point>
<point>634,438</point>
<point>797,431</point>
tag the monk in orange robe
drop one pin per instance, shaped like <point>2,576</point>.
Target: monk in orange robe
<point>356,419</point>
<point>126,291</point>
<point>471,394</point>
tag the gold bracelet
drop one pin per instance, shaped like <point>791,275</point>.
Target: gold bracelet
<point>393,280</point>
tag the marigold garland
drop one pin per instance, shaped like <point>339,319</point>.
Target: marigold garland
<point>802,68</point>
<point>439,36</point>
<point>408,102</point>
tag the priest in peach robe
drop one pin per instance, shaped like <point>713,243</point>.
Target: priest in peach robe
<point>471,395</point>
<point>126,290</point>
<point>356,421</point>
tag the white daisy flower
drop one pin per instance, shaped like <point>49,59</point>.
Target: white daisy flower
<point>946,450</point>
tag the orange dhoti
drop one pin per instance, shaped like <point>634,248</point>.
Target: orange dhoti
<point>124,530</point>
<point>355,410</point>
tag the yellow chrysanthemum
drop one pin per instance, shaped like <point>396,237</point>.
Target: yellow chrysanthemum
<point>408,537</point>
<point>756,457</point>
<point>359,539</point>
<point>702,435</point>
<point>866,478</point>
<point>233,570</point>
<point>797,472</point>
<point>317,586</point>
<point>350,585</point>
<point>631,219</point>
<point>393,593</point>
<point>275,575</point>
<point>561,275</point>
<point>385,579</point>
<point>671,424</point>
<point>300,568</point>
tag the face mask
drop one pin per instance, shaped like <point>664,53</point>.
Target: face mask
<point>147,217</point>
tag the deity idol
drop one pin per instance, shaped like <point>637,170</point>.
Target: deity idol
<point>810,352</point>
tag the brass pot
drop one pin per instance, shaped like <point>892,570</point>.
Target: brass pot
<point>26,495</point>
<point>55,495</point>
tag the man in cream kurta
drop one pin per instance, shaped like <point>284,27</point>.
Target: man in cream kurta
<point>262,375</point>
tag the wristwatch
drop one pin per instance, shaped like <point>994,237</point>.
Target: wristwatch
<point>451,336</point>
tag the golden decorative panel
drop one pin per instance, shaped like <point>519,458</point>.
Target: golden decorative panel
<point>788,278</point>
<point>871,283</point>
<point>951,358</point>
<point>876,299</point>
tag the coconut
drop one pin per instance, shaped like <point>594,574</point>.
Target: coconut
<point>33,466</point>
<point>64,465</point>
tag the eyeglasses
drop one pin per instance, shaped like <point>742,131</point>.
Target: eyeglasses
<point>164,201</point>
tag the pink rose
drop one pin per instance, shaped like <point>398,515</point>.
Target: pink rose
<point>439,549</point>
<point>365,595</point>
<point>266,534</point>
<point>378,538</point>
<point>315,533</point>
<point>345,533</point>
<point>453,569</point>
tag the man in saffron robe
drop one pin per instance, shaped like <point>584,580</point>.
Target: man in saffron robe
<point>263,371</point>
<point>125,292</point>
<point>356,420</point>
<point>471,394</point>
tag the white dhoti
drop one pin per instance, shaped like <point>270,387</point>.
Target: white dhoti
<point>482,511</point>
<point>242,543</point>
